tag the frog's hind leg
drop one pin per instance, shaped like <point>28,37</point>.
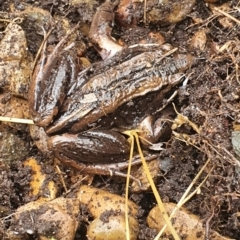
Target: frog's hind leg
<point>47,86</point>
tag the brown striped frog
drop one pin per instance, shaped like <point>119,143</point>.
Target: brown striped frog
<point>72,106</point>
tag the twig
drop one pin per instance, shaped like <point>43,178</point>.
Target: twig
<point>16,120</point>
<point>61,178</point>
<point>227,15</point>
<point>144,12</point>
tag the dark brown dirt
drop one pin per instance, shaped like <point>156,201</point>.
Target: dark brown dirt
<point>210,100</point>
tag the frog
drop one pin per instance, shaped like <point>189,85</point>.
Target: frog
<point>72,104</point>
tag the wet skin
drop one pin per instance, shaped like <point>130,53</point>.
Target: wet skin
<point>68,102</point>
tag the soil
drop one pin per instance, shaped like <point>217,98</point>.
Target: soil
<point>210,100</point>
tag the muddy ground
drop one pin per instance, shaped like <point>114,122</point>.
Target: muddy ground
<point>210,100</point>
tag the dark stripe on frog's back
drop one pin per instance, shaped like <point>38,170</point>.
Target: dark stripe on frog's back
<point>110,92</point>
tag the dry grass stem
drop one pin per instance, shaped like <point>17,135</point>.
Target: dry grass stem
<point>61,178</point>
<point>227,15</point>
<point>127,186</point>
<point>185,196</point>
<point>16,120</point>
<point>133,135</point>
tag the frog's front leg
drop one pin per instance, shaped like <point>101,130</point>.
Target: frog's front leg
<point>157,123</point>
<point>152,130</point>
